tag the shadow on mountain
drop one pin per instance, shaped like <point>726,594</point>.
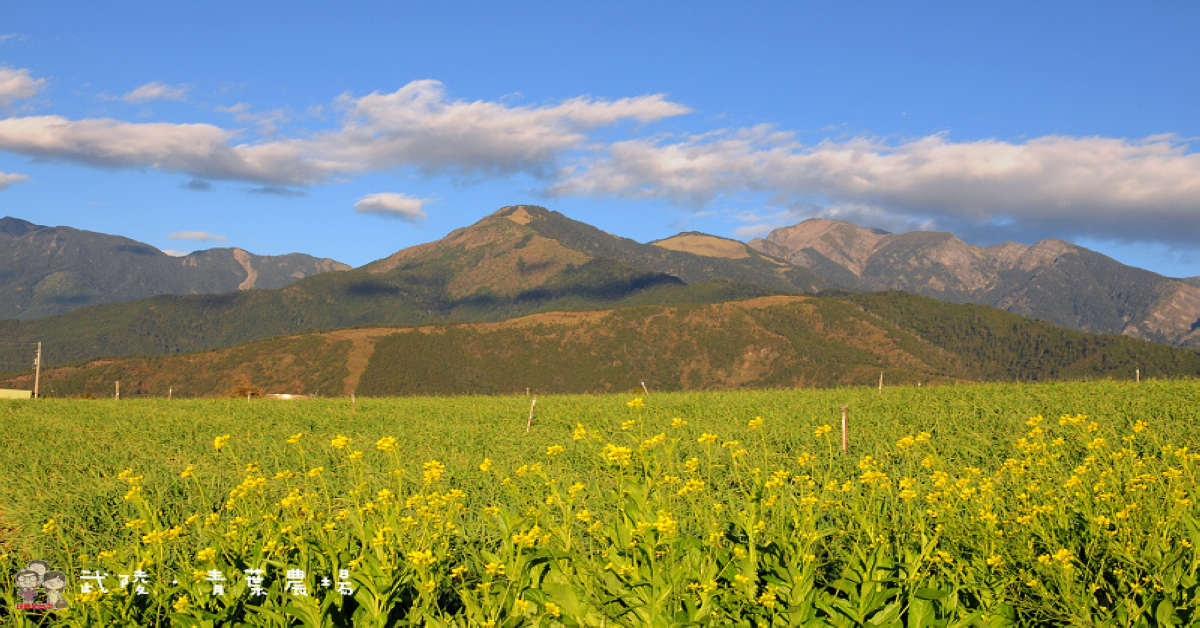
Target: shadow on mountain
<point>138,250</point>
<point>216,300</point>
<point>367,289</point>
<point>611,290</point>
<point>74,299</point>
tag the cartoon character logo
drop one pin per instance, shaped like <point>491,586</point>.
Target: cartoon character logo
<point>54,582</point>
<point>38,575</point>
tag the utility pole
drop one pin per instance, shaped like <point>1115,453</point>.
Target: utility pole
<point>37,370</point>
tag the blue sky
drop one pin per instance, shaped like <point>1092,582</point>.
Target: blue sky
<point>354,131</point>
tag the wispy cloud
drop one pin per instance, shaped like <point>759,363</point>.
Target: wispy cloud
<point>277,190</point>
<point>16,84</point>
<point>268,122</point>
<point>196,185</point>
<point>7,37</point>
<point>392,205</point>
<point>174,253</point>
<point>202,236</point>
<point>7,179</point>
<point>155,91</point>
<point>1147,189</point>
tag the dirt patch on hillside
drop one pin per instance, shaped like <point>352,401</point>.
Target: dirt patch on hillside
<point>362,345</point>
<point>520,216</point>
<point>243,258</point>
<point>708,246</point>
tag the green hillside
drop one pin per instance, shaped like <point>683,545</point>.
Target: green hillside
<point>765,342</point>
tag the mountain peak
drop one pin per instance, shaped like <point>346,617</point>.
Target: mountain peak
<point>521,214</point>
<point>15,226</point>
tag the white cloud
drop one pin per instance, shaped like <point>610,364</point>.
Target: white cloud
<point>7,179</point>
<point>415,126</point>
<point>1104,187</point>
<point>393,205</point>
<point>17,84</point>
<point>202,236</point>
<point>201,150</point>
<point>155,91</point>
<point>174,253</point>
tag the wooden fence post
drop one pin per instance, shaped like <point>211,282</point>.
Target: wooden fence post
<point>845,428</point>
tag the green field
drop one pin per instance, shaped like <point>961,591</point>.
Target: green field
<point>955,505</point>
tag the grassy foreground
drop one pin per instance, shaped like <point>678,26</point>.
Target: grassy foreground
<point>1051,504</point>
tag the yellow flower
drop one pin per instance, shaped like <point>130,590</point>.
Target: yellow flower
<point>187,473</point>
<point>678,423</point>
<point>486,465</point>
<point>552,609</point>
<point>354,454</point>
<point>294,438</point>
<point>616,454</point>
<point>494,569</point>
<point>755,423</point>
<point>340,442</point>
<point>220,441</point>
<point>580,432</point>
<point>206,554</point>
<point>767,599</point>
<point>315,471</point>
<point>1064,556</point>
<point>707,438</point>
<point>421,558</point>
<point>1139,427</point>
<point>995,561</point>
<point>584,516</point>
<point>822,430</point>
<point>433,471</point>
<point>628,425</point>
<point>387,443</point>
<point>554,450</point>
<point>181,604</point>
<point>48,527</point>
<point>107,554</point>
<point>636,403</point>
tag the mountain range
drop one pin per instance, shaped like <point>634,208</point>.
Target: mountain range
<point>1054,280</point>
<point>51,270</point>
<point>523,260</point>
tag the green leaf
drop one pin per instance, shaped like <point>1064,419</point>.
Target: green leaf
<point>931,594</point>
<point>1165,615</point>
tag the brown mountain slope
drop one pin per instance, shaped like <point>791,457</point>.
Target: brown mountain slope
<point>780,341</point>
<point>1051,279</point>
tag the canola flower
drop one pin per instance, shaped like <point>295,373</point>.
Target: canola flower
<point>1070,523</point>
